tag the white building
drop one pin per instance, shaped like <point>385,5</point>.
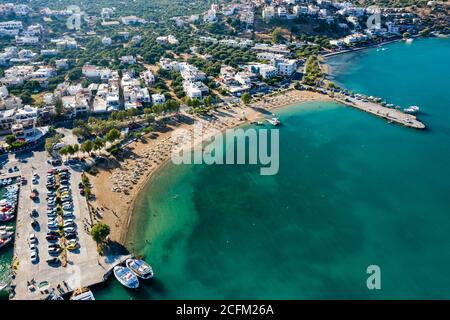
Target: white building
<point>107,13</point>
<point>11,25</point>
<point>285,67</point>
<point>195,90</point>
<point>132,20</point>
<point>268,12</point>
<point>90,71</point>
<point>49,52</point>
<point>106,41</point>
<point>127,60</point>
<point>282,12</point>
<point>62,64</point>
<point>210,16</point>
<point>26,40</point>
<point>148,77</point>
<point>158,98</point>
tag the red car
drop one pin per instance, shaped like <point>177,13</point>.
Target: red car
<point>51,237</point>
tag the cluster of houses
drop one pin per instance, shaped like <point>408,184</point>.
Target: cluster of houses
<point>21,10</point>
<point>192,77</point>
<point>18,75</point>
<point>17,119</point>
<point>235,43</point>
<point>347,16</point>
<point>170,39</point>
<point>12,55</point>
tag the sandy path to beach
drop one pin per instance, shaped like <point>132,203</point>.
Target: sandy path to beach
<point>117,187</point>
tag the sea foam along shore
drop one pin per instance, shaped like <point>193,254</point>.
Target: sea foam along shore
<point>143,158</point>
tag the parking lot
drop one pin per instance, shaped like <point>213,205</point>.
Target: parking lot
<point>39,273</point>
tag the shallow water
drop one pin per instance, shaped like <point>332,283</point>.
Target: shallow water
<point>352,191</point>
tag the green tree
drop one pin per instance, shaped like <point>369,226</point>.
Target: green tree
<point>87,146</point>
<point>277,36</point>
<point>63,151</point>
<point>246,98</point>
<point>100,232</point>
<point>208,101</point>
<point>75,74</point>
<point>98,144</point>
<point>76,148</point>
<point>9,139</point>
<point>59,108</point>
<point>113,135</point>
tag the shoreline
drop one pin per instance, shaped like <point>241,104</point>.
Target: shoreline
<point>117,208</point>
<point>125,203</point>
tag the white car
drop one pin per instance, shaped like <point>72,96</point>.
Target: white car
<point>33,256</point>
<point>32,238</point>
<point>70,229</point>
<point>72,241</point>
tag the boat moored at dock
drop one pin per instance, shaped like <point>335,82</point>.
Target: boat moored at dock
<point>126,277</point>
<point>140,268</point>
<point>82,294</point>
<point>411,110</point>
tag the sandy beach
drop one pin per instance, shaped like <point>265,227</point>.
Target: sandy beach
<point>119,182</point>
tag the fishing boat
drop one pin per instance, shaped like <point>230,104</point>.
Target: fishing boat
<point>411,110</point>
<point>126,277</point>
<point>82,294</point>
<point>5,241</point>
<point>6,217</point>
<point>273,121</point>
<point>140,268</point>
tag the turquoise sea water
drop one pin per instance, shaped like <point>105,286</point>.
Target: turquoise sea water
<point>352,191</point>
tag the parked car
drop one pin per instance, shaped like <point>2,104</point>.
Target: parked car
<point>70,229</point>
<point>51,237</point>
<point>33,256</point>
<point>34,213</point>
<point>32,238</point>
<point>54,261</point>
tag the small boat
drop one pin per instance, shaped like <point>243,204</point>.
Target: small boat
<point>6,217</point>
<point>126,277</point>
<point>5,241</point>
<point>411,110</point>
<point>273,121</point>
<point>82,294</point>
<point>140,268</point>
<point>409,40</point>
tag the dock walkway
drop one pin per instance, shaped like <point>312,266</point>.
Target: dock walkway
<point>389,114</point>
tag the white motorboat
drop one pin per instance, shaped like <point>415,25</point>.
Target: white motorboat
<point>273,121</point>
<point>82,294</point>
<point>140,268</point>
<point>126,277</point>
<point>411,110</point>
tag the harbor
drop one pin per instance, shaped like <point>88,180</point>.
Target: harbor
<point>32,275</point>
<point>390,114</point>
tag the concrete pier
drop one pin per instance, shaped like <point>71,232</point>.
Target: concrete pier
<point>389,114</point>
